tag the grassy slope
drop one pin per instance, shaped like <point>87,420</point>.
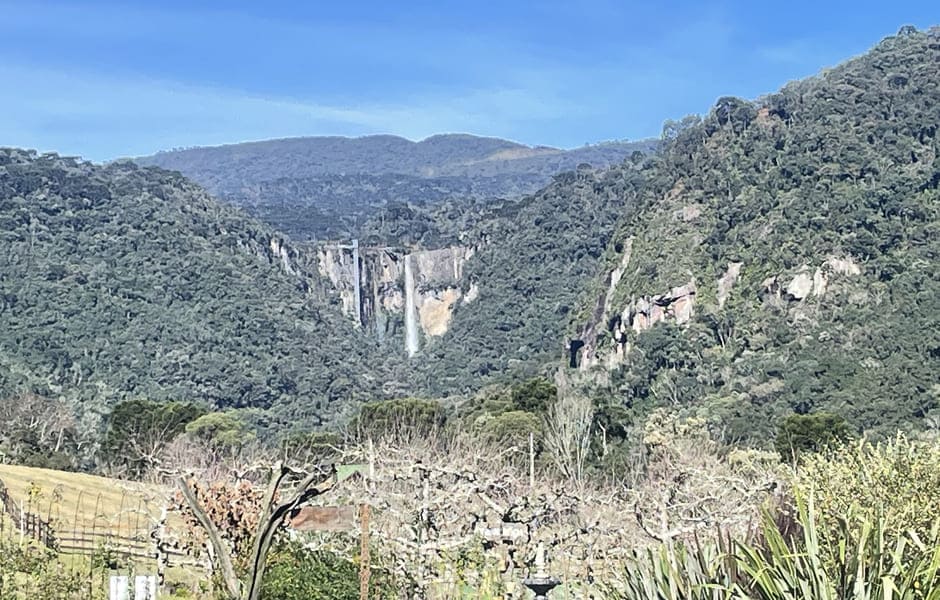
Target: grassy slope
<point>79,502</point>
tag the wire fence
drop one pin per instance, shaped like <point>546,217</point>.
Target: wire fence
<point>88,538</point>
<point>31,525</point>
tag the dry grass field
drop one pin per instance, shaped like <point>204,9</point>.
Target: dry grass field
<point>82,503</point>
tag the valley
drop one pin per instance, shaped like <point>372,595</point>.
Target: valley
<point>683,363</point>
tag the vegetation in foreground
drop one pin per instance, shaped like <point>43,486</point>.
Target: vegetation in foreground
<point>456,515</point>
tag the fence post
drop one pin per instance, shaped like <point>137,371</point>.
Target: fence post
<point>365,559</point>
<point>162,557</point>
<point>145,587</point>
<point>531,461</point>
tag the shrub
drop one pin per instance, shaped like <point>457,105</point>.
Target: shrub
<point>897,481</point>
<point>30,571</point>
<point>311,446</point>
<point>296,573</point>
<point>512,428</point>
<point>789,564</point>
<point>673,573</point>
<point>799,434</point>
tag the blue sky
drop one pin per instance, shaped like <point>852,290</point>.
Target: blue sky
<point>107,79</point>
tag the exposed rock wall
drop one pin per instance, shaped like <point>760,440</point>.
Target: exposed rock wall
<point>429,291</point>
<point>646,311</point>
<point>807,282</point>
<point>272,249</point>
<point>439,274</point>
<point>605,340</point>
<point>383,292</point>
<point>637,316</point>
<point>336,264</point>
<point>642,313</point>
<point>727,281</point>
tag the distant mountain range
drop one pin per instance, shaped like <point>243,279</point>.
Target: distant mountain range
<point>325,187</point>
<point>226,168</point>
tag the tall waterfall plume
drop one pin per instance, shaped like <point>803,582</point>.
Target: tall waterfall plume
<point>411,311</point>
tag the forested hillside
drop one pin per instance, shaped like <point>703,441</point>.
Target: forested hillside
<point>327,187</point>
<point>337,207</point>
<point>783,255</point>
<point>225,168</point>
<point>120,282</point>
<point>535,259</point>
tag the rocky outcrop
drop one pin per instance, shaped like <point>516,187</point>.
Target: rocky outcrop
<point>605,340</point>
<point>617,274</point>
<point>436,310</point>
<point>390,290</point>
<point>646,311</point>
<point>280,251</point>
<point>807,282</point>
<point>582,351</point>
<point>640,314</point>
<point>801,286</point>
<point>843,266</point>
<point>272,249</point>
<point>473,292</point>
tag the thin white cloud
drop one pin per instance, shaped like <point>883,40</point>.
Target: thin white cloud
<point>96,116</point>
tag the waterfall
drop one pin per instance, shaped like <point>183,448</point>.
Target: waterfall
<point>357,282</point>
<point>411,311</point>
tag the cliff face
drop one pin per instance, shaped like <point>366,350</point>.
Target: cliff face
<point>438,277</point>
<point>390,291</point>
<point>606,339</point>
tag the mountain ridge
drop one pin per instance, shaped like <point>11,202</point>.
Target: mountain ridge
<point>327,187</point>
<point>218,168</point>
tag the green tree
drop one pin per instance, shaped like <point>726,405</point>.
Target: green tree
<point>534,396</point>
<point>810,433</point>
<point>223,431</point>
<point>139,430</point>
